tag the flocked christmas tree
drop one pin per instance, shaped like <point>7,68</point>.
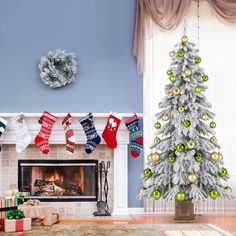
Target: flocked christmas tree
<point>184,163</point>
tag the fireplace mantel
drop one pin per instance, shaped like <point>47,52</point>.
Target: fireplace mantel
<point>58,137</point>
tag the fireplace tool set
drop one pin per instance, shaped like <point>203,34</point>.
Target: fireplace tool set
<point>103,205</point>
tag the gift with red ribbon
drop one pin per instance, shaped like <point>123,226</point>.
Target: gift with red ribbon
<point>16,221</point>
<point>17,225</point>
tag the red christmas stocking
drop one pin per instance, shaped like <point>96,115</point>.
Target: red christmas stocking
<point>69,133</point>
<point>42,139</point>
<point>109,133</point>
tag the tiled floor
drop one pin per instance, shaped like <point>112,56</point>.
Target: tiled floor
<point>227,223</point>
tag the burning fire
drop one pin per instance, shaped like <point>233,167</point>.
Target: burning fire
<point>55,176</point>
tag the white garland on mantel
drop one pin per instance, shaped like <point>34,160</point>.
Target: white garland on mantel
<point>75,115</point>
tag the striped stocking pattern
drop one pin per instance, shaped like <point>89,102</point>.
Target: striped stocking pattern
<point>3,125</point>
<point>69,134</point>
<point>42,139</point>
<point>23,137</point>
<point>136,136</point>
<point>93,139</point>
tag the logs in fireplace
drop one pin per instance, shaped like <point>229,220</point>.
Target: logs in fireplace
<point>59,180</point>
<point>46,187</point>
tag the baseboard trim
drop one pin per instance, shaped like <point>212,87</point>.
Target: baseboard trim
<point>135,210</point>
<point>140,210</point>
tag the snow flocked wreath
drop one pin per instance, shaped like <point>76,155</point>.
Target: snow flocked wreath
<point>57,68</point>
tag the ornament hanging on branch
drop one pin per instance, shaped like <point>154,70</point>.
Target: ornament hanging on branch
<point>205,117</point>
<point>176,91</point>
<point>181,109</point>
<point>58,68</point>
<point>187,72</point>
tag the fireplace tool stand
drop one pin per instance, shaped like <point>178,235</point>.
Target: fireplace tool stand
<point>103,205</point>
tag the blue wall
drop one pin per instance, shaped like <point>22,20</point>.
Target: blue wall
<point>100,33</point>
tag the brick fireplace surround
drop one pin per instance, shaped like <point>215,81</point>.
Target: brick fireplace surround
<point>118,173</point>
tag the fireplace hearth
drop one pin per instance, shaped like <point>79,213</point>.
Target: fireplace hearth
<point>59,180</point>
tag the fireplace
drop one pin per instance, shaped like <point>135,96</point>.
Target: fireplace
<point>59,180</point>
<point>68,209</point>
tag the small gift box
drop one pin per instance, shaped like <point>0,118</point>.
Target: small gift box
<point>16,221</point>
<point>17,225</point>
<point>47,221</point>
<point>11,194</point>
<point>24,194</point>
<point>7,205</point>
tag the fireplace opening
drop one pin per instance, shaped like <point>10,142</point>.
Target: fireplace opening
<point>59,180</point>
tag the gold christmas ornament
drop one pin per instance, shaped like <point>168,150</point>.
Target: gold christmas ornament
<point>181,109</point>
<point>155,156</point>
<point>192,178</point>
<point>149,157</point>
<point>171,53</point>
<point>228,189</point>
<point>184,39</point>
<point>165,117</point>
<point>215,156</point>
<point>176,91</point>
<point>187,72</point>
<point>190,144</point>
<point>220,156</point>
<point>213,140</point>
<point>205,117</point>
<point>142,189</point>
<point>157,140</point>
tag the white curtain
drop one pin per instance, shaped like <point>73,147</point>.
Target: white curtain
<point>217,46</point>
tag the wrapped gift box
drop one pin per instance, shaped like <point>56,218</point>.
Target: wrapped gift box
<point>24,194</point>
<point>5,206</point>
<point>47,221</point>
<point>43,213</point>
<point>17,225</point>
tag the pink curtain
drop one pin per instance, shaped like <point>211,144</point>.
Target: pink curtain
<point>168,14</point>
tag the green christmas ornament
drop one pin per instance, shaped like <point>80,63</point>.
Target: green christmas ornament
<point>156,194</point>
<point>157,125</point>
<point>180,147</point>
<point>198,89</point>
<point>223,172</point>
<point>180,196</point>
<point>213,124</point>
<point>181,53</point>
<point>198,59</point>
<point>171,158</point>
<point>172,78</point>
<point>214,194</point>
<point>147,173</point>
<point>169,72</point>
<point>186,123</point>
<point>205,78</point>
<point>198,157</point>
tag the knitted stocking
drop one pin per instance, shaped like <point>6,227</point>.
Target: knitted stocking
<point>23,137</point>
<point>69,133</point>
<point>109,133</point>
<point>136,136</point>
<point>93,139</point>
<point>42,139</point>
